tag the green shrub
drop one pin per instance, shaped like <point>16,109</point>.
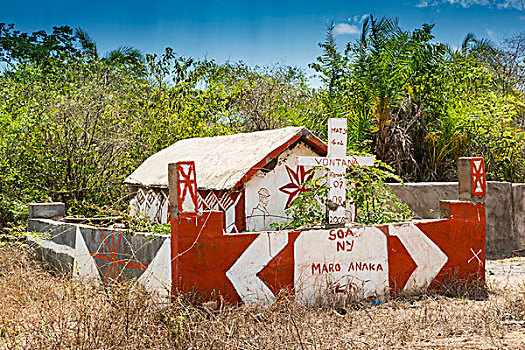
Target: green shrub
<point>375,202</point>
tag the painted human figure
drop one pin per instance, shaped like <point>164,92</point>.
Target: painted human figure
<point>260,210</point>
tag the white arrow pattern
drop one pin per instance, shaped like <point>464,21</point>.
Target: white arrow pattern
<point>243,273</point>
<point>157,277</point>
<point>84,265</point>
<point>428,257</point>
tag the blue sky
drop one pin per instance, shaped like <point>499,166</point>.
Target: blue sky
<point>258,33</point>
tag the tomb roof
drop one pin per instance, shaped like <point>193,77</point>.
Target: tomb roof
<point>223,162</point>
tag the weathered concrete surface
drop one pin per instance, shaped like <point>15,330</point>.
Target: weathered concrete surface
<point>56,231</point>
<point>103,255</point>
<point>502,233</point>
<point>61,234</point>
<point>132,252</point>
<point>501,240</point>
<point>423,197</point>
<point>54,210</point>
<point>518,197</point>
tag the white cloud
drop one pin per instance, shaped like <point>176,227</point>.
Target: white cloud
<point>422,4</point>
<point>490,33</point>
<point>512,4</point>
<point>469,3</point>
<point>345,28</point>
<point>352,26</point>
<point>358,19</point>
<point>500,4</point>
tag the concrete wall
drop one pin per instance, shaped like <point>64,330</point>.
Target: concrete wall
<point>505,210</point>
<point>518,196</point>
<point>423,197</point>
<point>103,255</point>
<point>501,238</point>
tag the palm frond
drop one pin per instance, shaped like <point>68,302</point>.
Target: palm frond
<point>86,42</point>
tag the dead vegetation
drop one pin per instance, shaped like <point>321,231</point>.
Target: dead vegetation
<point>42,311</point>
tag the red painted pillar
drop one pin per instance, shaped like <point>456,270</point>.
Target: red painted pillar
<point>182,182</point>
<point>467,219</point>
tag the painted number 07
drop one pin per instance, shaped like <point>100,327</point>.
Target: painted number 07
<point>337,184</point>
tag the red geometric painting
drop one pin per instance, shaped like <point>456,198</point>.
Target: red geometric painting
<point>114,262</point>
<point>187,189</point>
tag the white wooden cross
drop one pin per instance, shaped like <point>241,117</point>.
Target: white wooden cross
<point>336,162</point>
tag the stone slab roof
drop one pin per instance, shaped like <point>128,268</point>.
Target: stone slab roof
<point>222,162</point>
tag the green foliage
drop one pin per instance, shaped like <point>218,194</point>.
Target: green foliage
<point>267,98</point>
<point>494,133</point>
<point>162,229</point>
<point>373,198</point>
<point>407,98</point>
<point>13,215</point>
<point>38,47</point>
<point>74,132</point>
<point>308,209</point>
<point>75,122</point>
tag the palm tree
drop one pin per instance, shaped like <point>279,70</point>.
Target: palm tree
<point>477,47</point>
<point>122,56</point>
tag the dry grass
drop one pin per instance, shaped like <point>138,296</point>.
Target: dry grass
<point>42,311</point>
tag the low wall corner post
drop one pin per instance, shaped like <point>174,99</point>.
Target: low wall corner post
<point>182,185</point>
<point>472,182</point>
<point>53,210</point>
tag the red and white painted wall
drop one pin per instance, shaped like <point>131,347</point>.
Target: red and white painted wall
<point>319,265</point>
<point>316,265</point>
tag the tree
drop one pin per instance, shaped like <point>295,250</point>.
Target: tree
<point>62,45</point>
<point>38,47</point>
<point>266,97</point>
<point>411,101</point>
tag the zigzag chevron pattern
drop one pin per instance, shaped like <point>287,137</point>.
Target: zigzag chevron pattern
<point>153,204</point>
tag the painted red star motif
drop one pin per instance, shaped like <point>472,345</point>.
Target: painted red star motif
<point>112,258</point>
<point>296,185</point>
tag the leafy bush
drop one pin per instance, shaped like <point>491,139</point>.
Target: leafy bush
<point>13,215</point>
<point>413,102</point>
<point>494,132</point>
<point>373,198</point>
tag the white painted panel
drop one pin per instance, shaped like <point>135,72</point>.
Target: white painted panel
<point>332,263</point>
<point>157,277</point>
<point>243,273</point>
<point>428,257</point>
<point>265,200</point>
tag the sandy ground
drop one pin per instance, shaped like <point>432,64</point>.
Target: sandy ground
<point>507,273</point>
<point>39,310</point>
